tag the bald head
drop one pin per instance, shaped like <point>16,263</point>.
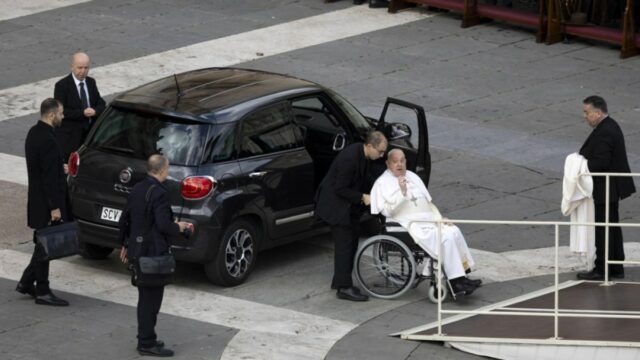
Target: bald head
<point>158,167</point>
<point>80,64</point>
<point>397,162</point>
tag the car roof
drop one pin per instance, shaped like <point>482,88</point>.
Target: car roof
<point>199,93</point>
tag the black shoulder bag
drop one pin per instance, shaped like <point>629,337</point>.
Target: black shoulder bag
<point>59,240</point>
<point>151,271</point>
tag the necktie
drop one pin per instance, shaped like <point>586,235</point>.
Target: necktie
<point>83,97</point>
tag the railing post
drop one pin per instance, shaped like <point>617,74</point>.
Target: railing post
<point>439,294</point>
<point>628,32</point>
<point>606,230</point>
<point>541,31</point>
<point>556,335</point>
<point>554,22</point>
<point>470,14</point>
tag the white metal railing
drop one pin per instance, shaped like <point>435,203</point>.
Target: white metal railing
<point>555,313</point>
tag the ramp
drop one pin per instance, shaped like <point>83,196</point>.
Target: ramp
<point>593,320</point>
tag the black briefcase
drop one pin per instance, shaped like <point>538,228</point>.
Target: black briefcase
<point>59,240</point>
<point>153,271</point>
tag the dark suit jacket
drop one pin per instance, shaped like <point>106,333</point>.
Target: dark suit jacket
<point>47,180</point>
<point>156,211</point>
<point>75,124</point>
<point>340,192</point>
<point>605,151</point>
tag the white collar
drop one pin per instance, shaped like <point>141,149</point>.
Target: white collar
<point>78,81</point>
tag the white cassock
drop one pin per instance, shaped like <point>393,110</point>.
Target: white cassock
<point>413,211</point>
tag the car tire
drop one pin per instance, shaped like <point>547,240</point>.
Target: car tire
<point>236,255</point>
<point>95,252</point>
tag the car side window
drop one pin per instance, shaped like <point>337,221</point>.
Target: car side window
<point>221,146</point>
<point>312,112</point>
<point>269,130</point>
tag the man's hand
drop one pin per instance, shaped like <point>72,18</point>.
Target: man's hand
<point>123,255</point>
<point>56,215</point>
<point>402,181</point>
<point>183,225</point>
<point>366,199</point>
<point>66,168</point>
<point>89,112</point>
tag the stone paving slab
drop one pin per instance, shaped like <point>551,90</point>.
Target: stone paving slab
<point>94,329</point>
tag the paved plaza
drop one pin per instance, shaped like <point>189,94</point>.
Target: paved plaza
<point>503,113</point>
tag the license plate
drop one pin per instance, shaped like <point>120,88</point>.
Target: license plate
<point>110,214</point>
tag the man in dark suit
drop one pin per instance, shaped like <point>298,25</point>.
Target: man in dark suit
<point>605,151</point>
<point>339,201</point>
<point>144,226</point>
<point>82,104</point>
<point>47,197</point>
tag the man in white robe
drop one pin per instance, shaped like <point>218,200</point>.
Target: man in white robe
<point>400,195</point>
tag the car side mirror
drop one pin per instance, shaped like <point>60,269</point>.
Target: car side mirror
<point>399,131</point>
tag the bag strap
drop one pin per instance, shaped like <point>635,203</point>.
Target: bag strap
<point>147,224</point>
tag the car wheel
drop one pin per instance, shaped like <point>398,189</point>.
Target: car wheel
<point>96,252</point>
<point>236,256</point>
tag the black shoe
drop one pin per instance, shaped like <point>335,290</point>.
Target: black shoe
<point>378,4</point>
<point>50,299</point>
<point>617,275</point>
<point>158,351</point>
<point>26,289</point>
<point>160,343</point>
<point>351,294</point>
<point>460,287</point>
<point>358,2</point>
<point>473,282</point>
<point>590,275</point>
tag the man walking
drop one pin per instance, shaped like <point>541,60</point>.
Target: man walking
<point>46,199</point>
<point>82,104</point>
<point>338,202</point>
<point>605,151</point>
<point>145,224</point>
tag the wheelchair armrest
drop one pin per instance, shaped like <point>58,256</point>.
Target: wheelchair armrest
<point>393,227</point>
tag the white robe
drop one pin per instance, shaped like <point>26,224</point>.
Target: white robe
<point>577,202</point>
<point>413,211</point>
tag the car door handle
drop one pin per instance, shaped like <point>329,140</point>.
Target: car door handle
<point>257,174</point>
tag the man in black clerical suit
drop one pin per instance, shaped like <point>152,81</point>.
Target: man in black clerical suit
<point>148,217</point>
<point>605,151</point>
<point>46,199</point>
<point>82,104</point>
<point>339,201</point>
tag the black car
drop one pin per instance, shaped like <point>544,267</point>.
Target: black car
<point>247,150</point>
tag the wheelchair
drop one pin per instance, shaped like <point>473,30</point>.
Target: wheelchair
<point>386,265</point>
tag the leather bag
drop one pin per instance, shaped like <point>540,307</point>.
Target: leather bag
<point>153,271</point>
<point>59,240</point>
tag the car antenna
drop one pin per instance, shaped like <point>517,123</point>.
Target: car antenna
<point>175,77</point>
<point>179,94</point>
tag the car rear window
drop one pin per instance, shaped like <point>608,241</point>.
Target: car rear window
<point>140,135</point>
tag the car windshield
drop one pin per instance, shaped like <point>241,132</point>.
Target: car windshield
<point>361,123</point>
<point>140,135</point>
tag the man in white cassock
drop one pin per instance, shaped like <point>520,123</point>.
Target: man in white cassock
<point>400,195</point>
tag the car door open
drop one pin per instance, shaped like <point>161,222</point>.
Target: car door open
<point>405,126</point>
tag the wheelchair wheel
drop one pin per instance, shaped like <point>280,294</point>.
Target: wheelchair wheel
<point>433,293</point>
<point>385,267</point>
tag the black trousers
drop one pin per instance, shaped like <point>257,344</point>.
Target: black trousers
<point>37,271</point>
<point>616,248</point>
<point>345,239</point>
<point>149,302</point>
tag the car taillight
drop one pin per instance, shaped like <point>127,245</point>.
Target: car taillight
<point>74,164</point>
<point>197,187</point>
